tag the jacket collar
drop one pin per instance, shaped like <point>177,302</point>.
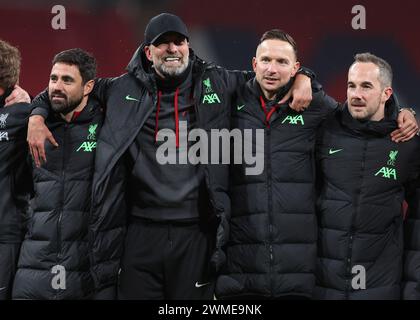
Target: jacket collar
<point>86,115</point>
<point>378,128</point>
<point>255,88</point>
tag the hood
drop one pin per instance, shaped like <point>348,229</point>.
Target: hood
<point>381,128</point>
<point>141,68</point>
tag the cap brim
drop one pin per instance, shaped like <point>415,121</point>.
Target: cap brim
<point>161,34</point>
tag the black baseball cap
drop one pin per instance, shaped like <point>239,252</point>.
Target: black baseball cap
<point>163,23</point>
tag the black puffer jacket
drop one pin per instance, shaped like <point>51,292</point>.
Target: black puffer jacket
<point>15,187</point>
<point>411,274</point>
<point>56,244</point>
<point>124,119</point>
<point>15,182</point>
<point>272,243</point>
<point>362,175</point>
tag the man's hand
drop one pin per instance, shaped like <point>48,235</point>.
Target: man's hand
<point>301,93</point>
<point>18,95</point>
<point>37,134</point>
<point>407,127</point>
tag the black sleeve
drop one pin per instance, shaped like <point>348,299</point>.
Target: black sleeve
<point>100,90</point>
<point>307,72</point>
<point>326,104</point>
<point>411,262</point>
<point>237,78</point>
<point>41,105</point>
<point>24,189</point>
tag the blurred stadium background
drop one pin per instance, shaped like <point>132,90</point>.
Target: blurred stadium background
<point>225,32</point>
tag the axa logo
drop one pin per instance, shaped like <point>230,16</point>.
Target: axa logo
<point>298,119</point>
<point>4,136</point>
<point>87,146</point>
<point>210,96</point>
<point>3,118</point>
<point>386,172</point>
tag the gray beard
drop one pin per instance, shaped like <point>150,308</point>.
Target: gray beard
<point>171,72</point>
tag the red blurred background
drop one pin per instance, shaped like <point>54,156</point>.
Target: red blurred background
<point>222,31</point>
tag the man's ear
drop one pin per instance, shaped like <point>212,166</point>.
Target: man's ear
<point>87,88</point>
<point>387,93</point>
<point>295,68</point>
<point>148,53</point>
<point>254,64</point>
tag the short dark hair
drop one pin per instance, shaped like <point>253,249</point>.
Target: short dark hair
<point>80,58</point>
<point>9,65</point>
<point>385,70</point>
<point>277,34</point>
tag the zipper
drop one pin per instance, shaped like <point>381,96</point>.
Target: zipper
<point>348,261</point>
<point>270,209</point>
<point>61,204</point>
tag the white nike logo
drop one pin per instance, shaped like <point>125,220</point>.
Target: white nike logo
<point>127,97</point>
<point>199,285</point>
<point>1,289</point>
<point>335,151</point>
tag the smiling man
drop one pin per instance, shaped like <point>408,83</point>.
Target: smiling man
<point>271,252</point>
<point>363,179</point>
<point>176,215</point>
<point>54,261</point>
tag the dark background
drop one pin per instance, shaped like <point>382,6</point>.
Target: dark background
<point>223,31</point>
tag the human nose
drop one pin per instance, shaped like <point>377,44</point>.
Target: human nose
<point>56,85</point>
<point>354,93</point>
<point>172,47</point>
<point>271,68</point>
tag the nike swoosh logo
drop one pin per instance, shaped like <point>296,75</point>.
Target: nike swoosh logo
<point>240,107</point>
<point>199,285</point>
<point>1,289</point>
<point>127,97</point>
<point>335,151</point>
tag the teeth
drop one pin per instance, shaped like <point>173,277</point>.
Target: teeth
<point>171,59</point>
